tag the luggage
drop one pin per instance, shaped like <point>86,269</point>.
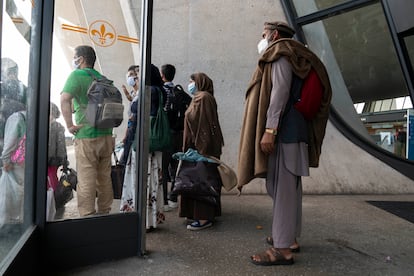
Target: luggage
<point>117,175</point>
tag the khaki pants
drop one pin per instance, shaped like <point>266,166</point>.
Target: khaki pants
<point>93,165</point>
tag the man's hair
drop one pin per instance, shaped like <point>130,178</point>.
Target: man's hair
<point>88,53</point>
<point>168,70</point>
<point>284,30</point>
<point>133,67</point>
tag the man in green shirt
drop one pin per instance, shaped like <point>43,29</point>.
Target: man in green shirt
<point>93,146</point>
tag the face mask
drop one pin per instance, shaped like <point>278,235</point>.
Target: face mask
<point>192,88</point>
<point>131,81</point>
<point>74,64</point>
<point>261,47</point>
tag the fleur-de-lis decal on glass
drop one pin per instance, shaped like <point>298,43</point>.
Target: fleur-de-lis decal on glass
<point>102,33</point>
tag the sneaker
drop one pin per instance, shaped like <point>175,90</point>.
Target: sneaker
<point>167,208</point>
<point>172,204</point>
<point>195,226</point>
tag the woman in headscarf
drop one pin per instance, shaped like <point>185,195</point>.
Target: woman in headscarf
<point>155,201</point>
<point>202,132</point>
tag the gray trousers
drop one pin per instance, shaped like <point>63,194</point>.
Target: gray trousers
<point>285,188</point>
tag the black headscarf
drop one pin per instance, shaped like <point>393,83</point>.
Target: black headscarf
<point>156,86</point>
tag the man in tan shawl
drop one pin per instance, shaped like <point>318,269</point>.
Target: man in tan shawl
<point>276,141</point>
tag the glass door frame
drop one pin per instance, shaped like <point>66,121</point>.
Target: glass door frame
<point>404,166</point>
<point>78,242</point>
<point>401,48</point>
<point>66,244</point>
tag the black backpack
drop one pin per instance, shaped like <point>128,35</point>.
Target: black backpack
<point>104,109</point>
<point>177,103</point>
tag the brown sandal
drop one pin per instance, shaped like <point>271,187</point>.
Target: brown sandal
<point>271,256</point>
<point>294,248</point>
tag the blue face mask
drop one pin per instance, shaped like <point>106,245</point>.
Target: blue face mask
<point>131,81</point>
<point>192,88</point>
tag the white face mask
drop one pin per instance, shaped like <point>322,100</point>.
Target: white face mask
<point>262,45</point>
<point>131,81</point>
<point>74,64</point>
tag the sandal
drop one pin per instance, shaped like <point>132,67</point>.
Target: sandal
<point>271,256</point>
<point>294,248</point>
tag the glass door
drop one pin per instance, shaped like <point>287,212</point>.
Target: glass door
<point>14,100</point>
<point>48,49</point>
<point>102,42</point>
<point>92,222</point>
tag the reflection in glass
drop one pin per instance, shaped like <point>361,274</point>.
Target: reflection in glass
<point>403,103</point>
<point>365,53</point>
<point>311,6</point>
<point>114,42</point>
<point>377,106</point>
<point>386,105</point>
<point>409,43</point>
<point>372,78</point>
<point>15,50</point>
<point>59,189</point>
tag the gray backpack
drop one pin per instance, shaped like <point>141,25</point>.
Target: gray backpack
<point>105,108</point>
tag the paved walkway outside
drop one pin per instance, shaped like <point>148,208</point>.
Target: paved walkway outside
<point>341,235</point>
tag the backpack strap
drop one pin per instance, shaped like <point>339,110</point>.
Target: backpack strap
<point>94,77</point>
<point>169,90</point>
<point>160,98</point>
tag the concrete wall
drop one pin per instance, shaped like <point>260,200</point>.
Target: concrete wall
<point>219,38</point>
<point>345,168</point>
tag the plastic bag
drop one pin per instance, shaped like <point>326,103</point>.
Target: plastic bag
<point>197,178</point>
<point>227,175</point>
<point>50,205</point>
<point>11,199</point>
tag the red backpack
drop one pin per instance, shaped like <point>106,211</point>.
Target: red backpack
<point>308,94</point>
